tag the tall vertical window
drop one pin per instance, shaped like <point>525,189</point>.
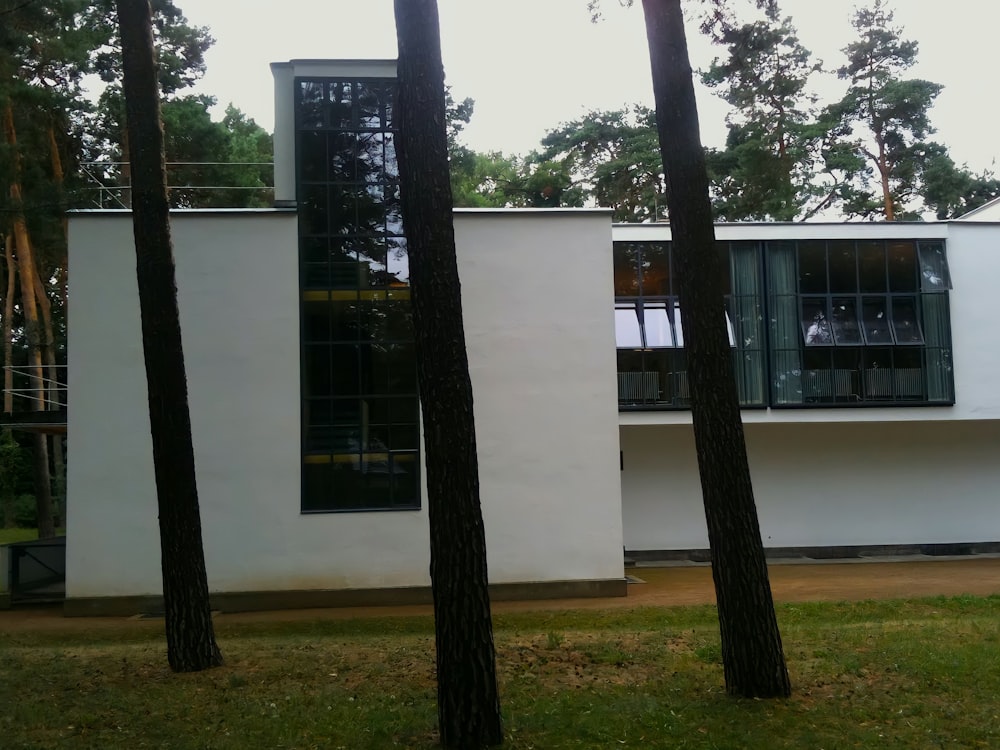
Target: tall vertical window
<point>859,321</point>
<point>652,367</point>
<point>359,390</point>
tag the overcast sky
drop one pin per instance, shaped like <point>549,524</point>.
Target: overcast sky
<point>532,64</point>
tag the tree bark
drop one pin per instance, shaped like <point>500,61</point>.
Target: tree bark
<point>753,660</point>
<point>8,325</point>
<point>30,284</point>
<point>58,475</point>
<point>9,496</point>
<point>191,642</point>
<point>468,696</point>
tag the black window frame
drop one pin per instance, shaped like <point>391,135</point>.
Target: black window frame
<point>890,359</point>
<point>360,430</point>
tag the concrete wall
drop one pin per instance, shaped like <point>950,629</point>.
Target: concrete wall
<point>542,355</point>
<point>824,484</point>
<point>537,290</point>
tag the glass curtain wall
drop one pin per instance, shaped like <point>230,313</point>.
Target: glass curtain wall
<point>859,322</point>
<point>652,369</point>
<point>359,394</point>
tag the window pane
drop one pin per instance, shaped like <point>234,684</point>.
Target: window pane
<point>312,156</point>
<point>816,323</point>
<point>398,262</point>
<point>934,273</point>
<point>846,330</point>
<point>310,104</point>
<point>313,209</point>
<point>370,97</point>
<point>317,486</point>
<point>341,115</point>
<point>316,321</point>
<point>678,326</point>
<point>655,269</point>
<point>871,266</point>
<point>626,267</point>
<point>812,267</point>
<point>843,267</point>
<point>371,156</point>
<point>902,267</point>
<point>627,334</point>
<point>317,375</point>
<point>342,157</point>
<point>722,249</point>
<point>904,321</point>
<point>875,322</point>
<point>345,380</point>
<point>657,325</point>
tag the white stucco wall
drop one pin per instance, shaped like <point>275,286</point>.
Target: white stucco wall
<point>537,289</point>
<point>543,372</point>
<point>824,484</point>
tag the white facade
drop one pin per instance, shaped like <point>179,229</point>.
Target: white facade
<point>545,430</point>
<point>568,482</point>
<point>898,476</point>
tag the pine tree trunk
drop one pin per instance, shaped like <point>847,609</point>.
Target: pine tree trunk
<point>8,325</point>
<point>9,496</point>
<point>753,660</point>
<point>468,697</point>
<point>888,205</point>
<point>191,642</point>
<point>52,396</point>
<point>27,269</point>
<point>43,487</point>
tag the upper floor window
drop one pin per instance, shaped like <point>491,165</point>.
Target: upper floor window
<point>859,321</point>
<point>842,322</point>
<point>652,365</point>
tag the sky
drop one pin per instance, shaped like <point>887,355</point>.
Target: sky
<point>533,64</point>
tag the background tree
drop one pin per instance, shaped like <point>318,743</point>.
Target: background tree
<point>752,655</point>
<point>949,190</point>
<point>766,169</point>
<point>191,642</point>
<point>468,696</point>
<point>614,157</point>
<point>883,115</point>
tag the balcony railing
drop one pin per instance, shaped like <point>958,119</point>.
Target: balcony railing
<point>38,401</point>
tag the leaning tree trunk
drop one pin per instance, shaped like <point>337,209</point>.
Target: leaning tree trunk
<point>29,305</point>
<point>753,660</point>
<point>51,394</point>
<point>191,642</point>
<point>468,697</point>
<point>8,498</point>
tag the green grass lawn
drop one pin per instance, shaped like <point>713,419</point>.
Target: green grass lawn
<point>22,535</point>
<point>913,674</point>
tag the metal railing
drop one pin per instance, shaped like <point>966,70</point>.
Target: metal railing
<point>106,180</point>
<point>43,393</point>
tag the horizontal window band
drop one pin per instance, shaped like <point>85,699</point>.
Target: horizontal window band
<point>349,295</point>
<point>346,458</point>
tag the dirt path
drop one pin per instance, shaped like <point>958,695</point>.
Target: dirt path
<point>661,587</point>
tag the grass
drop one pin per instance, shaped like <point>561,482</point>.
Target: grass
<point>898,674</point>
<point>22,535</point>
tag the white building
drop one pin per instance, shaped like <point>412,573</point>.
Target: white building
<point>865,361</point>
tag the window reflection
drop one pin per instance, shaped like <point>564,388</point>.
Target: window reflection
<point>816,328</point>
<point>360,409</point>
<point>844,316</point>
<point>905,325</point>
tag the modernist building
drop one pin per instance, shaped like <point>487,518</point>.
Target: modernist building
<point>865,358</point>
